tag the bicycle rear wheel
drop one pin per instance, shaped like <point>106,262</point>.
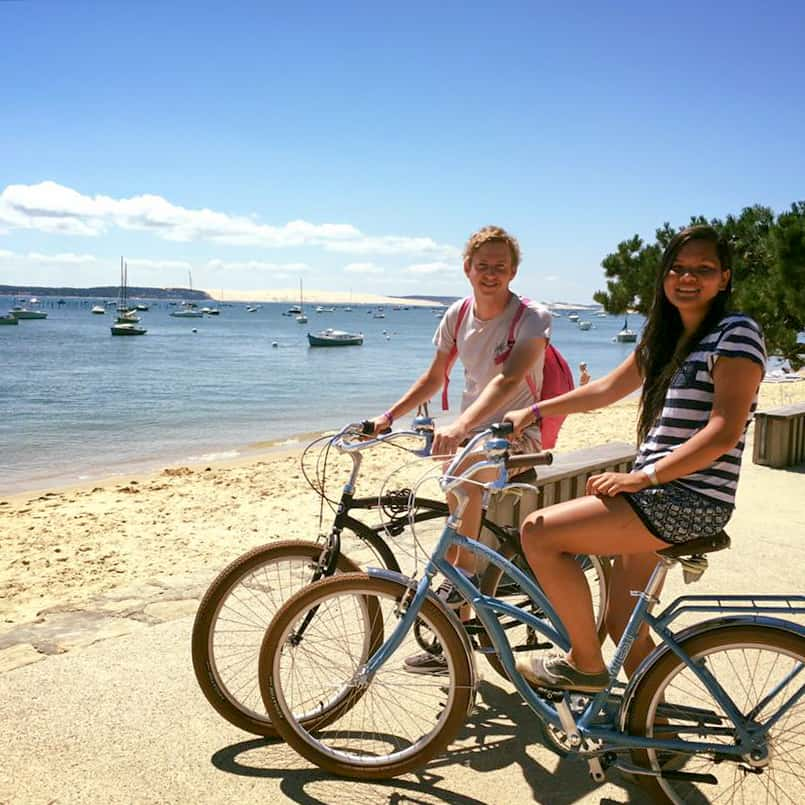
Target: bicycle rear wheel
<point>521,637</point>
<point>232,619</point>
<point>760,668</point>
<point>379,727</point>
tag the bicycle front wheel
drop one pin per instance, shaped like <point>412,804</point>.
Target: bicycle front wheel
<point>760,668</point>
<point>232,619</point>
<point>371,728</point>
<point>523,638</point>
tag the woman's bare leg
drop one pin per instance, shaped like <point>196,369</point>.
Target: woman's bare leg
<point>629,573</point>
<point>553,536</point>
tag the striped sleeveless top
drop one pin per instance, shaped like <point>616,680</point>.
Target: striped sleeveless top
<point>689,401</point>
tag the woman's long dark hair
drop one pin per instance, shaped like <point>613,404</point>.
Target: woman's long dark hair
<point>663,346</point>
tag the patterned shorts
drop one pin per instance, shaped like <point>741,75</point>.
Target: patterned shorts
<point>675,514</point>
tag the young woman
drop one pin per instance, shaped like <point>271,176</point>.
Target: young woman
<point>700,368</point>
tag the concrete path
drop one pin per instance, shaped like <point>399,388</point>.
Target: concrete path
<point>118,718</point>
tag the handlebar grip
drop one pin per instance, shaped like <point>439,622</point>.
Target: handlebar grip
<point>504,428</point>
<point>529,460</point>
<point>368,428</point>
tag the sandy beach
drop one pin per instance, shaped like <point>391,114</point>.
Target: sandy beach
<point>313,296</point>
<point>65,547</point>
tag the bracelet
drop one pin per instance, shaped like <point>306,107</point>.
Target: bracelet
<point>651,473</point>
<point>389,418</point>
<point>537,414</point>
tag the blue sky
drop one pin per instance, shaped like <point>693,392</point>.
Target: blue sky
<point>357,145</point>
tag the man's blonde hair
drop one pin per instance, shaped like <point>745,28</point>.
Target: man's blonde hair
<point>493,234</point>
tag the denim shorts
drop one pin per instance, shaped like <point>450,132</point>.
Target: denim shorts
<point>676,514</point>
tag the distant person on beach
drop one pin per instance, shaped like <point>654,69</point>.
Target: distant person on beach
<point>497,377</point>
<point>700,368</point>
<point>584,375</point>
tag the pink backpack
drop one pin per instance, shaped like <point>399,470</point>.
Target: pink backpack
<point>556,375</point>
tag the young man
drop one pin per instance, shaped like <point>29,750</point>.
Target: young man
<point>498,376</point>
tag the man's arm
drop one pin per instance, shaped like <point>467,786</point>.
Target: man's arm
<point>421,390</point>
<point>496,394</point>
<point>615,385</point>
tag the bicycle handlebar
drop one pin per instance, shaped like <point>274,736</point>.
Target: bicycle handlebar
<point>365,428</point>
<point>529,460</point>
<point>496,446</point>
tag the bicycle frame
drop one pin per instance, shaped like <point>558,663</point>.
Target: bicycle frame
<point>581,728</point>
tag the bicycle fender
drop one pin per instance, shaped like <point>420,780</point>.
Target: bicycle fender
<point>695,630</point>
<point>411,584</point>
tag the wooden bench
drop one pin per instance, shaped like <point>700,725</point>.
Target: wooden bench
<point>780,436</point>
<point>564,480</point>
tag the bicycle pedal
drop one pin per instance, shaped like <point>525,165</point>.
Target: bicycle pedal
<point>549,694</point>
<point>532,647</point>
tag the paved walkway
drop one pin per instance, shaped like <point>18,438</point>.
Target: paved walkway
<point>110,712</point>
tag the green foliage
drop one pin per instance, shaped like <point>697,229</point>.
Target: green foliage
<point>768,273</point>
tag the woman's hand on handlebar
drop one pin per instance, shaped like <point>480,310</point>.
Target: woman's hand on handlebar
<point>521,418</point>
<point>376,426</point>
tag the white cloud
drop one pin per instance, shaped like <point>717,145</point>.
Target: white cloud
<point>551,278</point>
<point>158,265</point>
<point>429,268</point>
<point>51,207</point>
<point>36,258</point>
<point>364,268</point>
<point>256,266</point>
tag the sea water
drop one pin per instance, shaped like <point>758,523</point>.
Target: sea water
<point>77,403</point>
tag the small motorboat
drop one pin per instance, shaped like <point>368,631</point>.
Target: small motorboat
<point>23,313</point>
<point>573,316</point>
<point>8,319</point>
<point>626,335</point>
<point>211,311</point>
<point>127,328</point>
<point>334,338</point>
<point>98,310</point>
<point>584,324</point>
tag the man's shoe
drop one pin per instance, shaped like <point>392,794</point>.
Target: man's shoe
<point>557,673</point>
<point>451,596</point>
<point>426,663</point>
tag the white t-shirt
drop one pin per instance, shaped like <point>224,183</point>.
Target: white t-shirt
<point>478,342</point>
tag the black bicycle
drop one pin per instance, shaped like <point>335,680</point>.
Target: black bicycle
<point>239,605</point>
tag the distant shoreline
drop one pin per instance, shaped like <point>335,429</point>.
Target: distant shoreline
<point>284,295</point>
<point>281,295</point>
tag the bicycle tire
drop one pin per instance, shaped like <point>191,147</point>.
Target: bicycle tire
<point>670,691</point>
<point>521,636</point>
<point>233,691</point>
<point>421,713</point>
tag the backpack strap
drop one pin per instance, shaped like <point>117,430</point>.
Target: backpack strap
<point>510,345</point>
<point>453,354</point>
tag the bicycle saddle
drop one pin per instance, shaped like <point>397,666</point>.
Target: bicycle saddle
<point>697,547</point>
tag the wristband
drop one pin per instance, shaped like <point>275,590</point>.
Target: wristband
<point>537,414</point>
<point>651,473</point>
<point>389,418</point>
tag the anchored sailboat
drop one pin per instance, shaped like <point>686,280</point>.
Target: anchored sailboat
<point>301,317</point>
<point>127,319</point>
<point>188,310</point>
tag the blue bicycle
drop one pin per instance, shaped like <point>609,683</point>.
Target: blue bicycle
<point>715,713</point>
